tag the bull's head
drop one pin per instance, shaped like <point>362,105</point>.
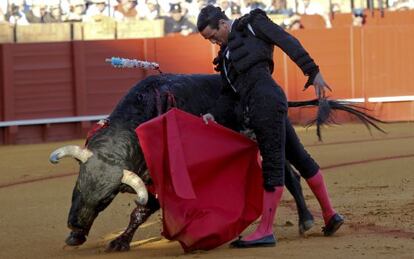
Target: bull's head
<point>97,185</point>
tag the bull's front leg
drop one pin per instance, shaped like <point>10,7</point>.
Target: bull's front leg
<point>138,216</point>
<point>292,182</point>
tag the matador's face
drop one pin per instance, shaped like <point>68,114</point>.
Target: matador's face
<point>217,36</point>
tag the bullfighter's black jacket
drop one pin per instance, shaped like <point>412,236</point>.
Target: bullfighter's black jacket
<point>251,42</point>
<point>251,94</point>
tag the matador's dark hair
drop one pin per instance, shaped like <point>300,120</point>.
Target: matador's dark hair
<point>210,15</point>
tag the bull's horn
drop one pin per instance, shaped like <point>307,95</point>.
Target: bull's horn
<point>137,184</point>
<point>82,154</point>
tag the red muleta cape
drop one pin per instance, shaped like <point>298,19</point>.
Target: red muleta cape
<point>207,178</point>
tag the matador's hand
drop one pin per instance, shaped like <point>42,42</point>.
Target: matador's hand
<point>319,84</point>
<point>208,117</point>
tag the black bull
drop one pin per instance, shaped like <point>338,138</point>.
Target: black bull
<point>113,152</point>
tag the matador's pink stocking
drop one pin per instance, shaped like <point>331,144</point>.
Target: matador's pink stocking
<point>318,187</point>
<point>271,201</point>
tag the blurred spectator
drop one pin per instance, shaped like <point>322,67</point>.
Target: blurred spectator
<point>336,8</point>
<point>295,23</point>
<point>77,9</point>
<point>249,5</point>
<point>3,7</point>
<point>235,11</point>
<point>54,15</point>
<point>230,8</point>
<point>98,8</point>
<point>193,8</point>
<point>358,17</point>
<point>402,5</point>
<point>279,7</point>
<point>126,10</point>
<point>65,6</point>
<point>3,11</point>
<point>15,14</point>
<point>292,23</point>
<point>37,12</point>
<point>2,16</point>
<point>164,6</point>
<point>151,10</point>
<point>225,6</point>
<point>310,7</point>
<point>178,23</point>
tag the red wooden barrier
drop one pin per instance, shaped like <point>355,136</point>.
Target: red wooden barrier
<point>388,68</point>
<point>342,20</point>
<point>314,21</point>
<point>2,94</point>
<point>334,56</point>
<point>179,54</point>
<point>8,103</point>
<point>389,18</point>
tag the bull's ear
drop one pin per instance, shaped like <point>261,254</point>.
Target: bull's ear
<point>81,154</point>
<point>137,184</point>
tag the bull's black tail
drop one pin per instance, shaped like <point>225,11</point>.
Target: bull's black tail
<point>325,114</point>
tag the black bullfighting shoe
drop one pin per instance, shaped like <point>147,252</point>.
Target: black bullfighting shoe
<point>333,225</point>
<point>266,241</point>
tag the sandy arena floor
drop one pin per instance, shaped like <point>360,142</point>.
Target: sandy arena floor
<point>370,179</point>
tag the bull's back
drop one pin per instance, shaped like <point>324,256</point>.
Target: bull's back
<point>195,94</point>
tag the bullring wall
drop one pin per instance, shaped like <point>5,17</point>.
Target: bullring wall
<point>64,79</point>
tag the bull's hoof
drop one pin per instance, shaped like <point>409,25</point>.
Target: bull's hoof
<point>75,239</point>
<point>119,244</point>
<point>305,224</point>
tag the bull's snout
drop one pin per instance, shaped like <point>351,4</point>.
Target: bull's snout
<point>77,236</point>
<point>80,220</point>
